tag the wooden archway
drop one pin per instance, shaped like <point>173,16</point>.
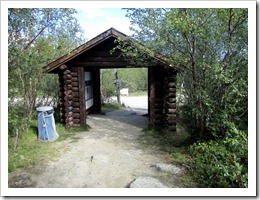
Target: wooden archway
<point>95,55</point>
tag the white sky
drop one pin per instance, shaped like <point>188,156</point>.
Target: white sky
<point>97,20</point>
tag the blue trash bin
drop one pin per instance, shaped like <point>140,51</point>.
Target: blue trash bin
<point>46,124</point>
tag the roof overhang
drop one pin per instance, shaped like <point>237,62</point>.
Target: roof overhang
<point>58,64</point>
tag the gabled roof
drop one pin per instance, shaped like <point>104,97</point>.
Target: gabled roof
<point>89,45</point>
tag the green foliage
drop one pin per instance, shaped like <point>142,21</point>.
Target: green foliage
<point>221,163</point>
<point>36,37</point>
<point>209,47</point>
<point>134,79</point>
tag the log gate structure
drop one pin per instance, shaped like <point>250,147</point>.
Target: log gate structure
<point>79,78</point>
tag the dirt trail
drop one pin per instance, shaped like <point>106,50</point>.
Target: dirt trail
<point>109,155</point>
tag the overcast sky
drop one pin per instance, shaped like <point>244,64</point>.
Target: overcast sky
<point>97,20</point>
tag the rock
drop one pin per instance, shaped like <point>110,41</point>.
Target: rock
<point>167,168</point>
<point>146,182</point>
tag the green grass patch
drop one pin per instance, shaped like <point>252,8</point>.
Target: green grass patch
<point>71,133</point>
<point>109,107</point>
<point>138,93</point>
<point>31,151</point>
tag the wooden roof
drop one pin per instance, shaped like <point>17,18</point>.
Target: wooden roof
<point>82,51</point>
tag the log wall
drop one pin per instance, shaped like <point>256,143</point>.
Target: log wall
<point>72,97</point>
<point>170,99</point>
<point>162,97</point>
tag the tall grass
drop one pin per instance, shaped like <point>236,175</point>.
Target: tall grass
<point>31,151</point>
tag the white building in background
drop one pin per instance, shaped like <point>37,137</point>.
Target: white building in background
<point>124,91</point>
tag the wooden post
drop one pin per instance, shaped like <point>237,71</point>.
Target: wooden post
<point>81,89</point>
<point>61,99</point>
<point>151,95</point>
<point>96,108</point>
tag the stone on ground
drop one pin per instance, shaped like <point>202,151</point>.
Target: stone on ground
<point>167,168</point>
<point>146,182</point>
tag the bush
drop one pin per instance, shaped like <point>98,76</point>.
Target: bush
<point>15,119</point>
<point>221,163</point>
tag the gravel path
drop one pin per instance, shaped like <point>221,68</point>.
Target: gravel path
<point>109,155</point>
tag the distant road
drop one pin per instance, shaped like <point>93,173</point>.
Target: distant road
<point>134,102</point>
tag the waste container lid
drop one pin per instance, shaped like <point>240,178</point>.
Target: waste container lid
<point>44,108</point>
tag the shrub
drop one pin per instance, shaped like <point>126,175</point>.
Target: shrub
<point>221,163</point>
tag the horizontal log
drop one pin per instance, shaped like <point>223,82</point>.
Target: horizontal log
<point>76,115</point>
<point>171,111</point>
<point>74,79</point>
<point>172,94</point>
<point>171,105</point>
<point>67,71</point>
<point>68,111</point>
<point>68,92</point>
<point>68,103</point>
<point>76,110</point>
<point>75,94</point>
<point>62,120</point>
<point>75,89</point>
<point>170,116</point>
<point>172,89</point>
<point>67,76</point>
<point>76,104</point>
<point>74,84</point>
<point>67,87</point>
<point>75,99</point>
<point>68,119</point>
<point>171,100</point>
<point>171,84</point>
<point>74,74</point>
<point>68,98</point>
<point>76,121</point>
<point>67,82</point>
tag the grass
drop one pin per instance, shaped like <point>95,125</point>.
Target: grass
<point>176,152</point>
<point>31,151</point>
<point>138,93</point>
<point>109,107</point>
